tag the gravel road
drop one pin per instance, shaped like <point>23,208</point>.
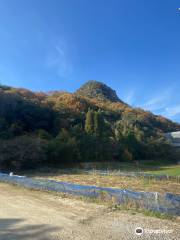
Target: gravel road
<point>34,215</point>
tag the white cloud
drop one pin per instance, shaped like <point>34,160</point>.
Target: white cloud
<point>162,104</point>
<point>58,60</point>
<point>129,98</point>
<point>155,103</point>
<point>60,50</point>
<point>172,111</point>
<point>160,100</point>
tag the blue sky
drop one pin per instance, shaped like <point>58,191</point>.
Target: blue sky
<point>131,45</point>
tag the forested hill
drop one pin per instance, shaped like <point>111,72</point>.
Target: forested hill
<point>92,124</point>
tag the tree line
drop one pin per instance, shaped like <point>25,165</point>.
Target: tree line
<point>36,130</point>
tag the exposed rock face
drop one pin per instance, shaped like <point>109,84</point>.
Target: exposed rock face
<point>98,90</point>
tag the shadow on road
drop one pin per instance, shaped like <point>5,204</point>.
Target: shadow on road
<point>16,229</point>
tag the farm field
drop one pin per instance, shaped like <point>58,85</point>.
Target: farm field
<point>82,177</point>
<point>154,167</point>
<point>170,170</point>
<point>137,184</point>
<point>27,214</point>
<point>131,183</point>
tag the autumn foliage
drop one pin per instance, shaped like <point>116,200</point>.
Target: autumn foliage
<point>92,124</point>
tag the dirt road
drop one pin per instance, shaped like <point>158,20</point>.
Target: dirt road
<point>33,215</point>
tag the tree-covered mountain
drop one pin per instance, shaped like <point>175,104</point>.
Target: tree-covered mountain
<point>92,124</point>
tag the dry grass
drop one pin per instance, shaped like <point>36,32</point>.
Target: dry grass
<point>137,184</point>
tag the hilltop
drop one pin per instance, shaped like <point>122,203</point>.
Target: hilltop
<point>98,90</point>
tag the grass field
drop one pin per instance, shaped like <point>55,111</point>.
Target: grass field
<point>152,166</point>
<point>78,176</point>
<point>137,184</point>
<point>132,183</point>
<point>170,171</point>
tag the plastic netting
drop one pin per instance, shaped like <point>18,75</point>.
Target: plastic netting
<point>166,203</point>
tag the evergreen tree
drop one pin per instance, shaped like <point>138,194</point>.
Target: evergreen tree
<point>89,123</point>
<point>98,124</point>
